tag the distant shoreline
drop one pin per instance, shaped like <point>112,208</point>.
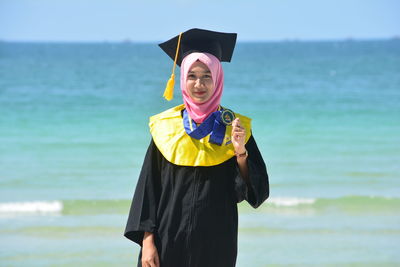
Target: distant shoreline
<point>128,41</point>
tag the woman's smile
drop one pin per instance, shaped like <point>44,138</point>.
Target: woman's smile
<point>200,93</point>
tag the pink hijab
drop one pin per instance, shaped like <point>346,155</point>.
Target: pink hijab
<point>200,111</point>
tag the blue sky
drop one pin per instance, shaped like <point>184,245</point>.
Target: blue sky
<point>156,20</point>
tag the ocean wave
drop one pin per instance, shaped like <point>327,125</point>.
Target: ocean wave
<point>352,204</point>
<point>32,207</point>
<point>290,201</point>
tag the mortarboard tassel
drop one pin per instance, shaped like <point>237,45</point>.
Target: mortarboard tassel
<point>169,89</point>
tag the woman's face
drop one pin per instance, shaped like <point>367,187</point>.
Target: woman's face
<point>199,83</point>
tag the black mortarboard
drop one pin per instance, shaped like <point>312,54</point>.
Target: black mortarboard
<point>219,44</point>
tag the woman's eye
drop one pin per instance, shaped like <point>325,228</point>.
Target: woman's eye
<point>191,76</point>
<point>207,76</point>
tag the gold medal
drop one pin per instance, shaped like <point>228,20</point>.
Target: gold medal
<point>227,116</point>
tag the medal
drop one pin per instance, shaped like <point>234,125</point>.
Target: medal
<point>227,116</point>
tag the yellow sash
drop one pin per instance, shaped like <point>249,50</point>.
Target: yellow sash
<point>179,148</point>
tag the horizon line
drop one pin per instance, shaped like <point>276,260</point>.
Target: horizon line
<point>128,40</point>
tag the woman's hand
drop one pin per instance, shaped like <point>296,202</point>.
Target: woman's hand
<point>149,251</point>
<point>238,137</point>
<point>238,141</point>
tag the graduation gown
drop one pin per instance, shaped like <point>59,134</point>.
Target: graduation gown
<point>192,210</point>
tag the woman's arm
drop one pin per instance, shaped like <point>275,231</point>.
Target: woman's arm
<point>244,170</point>
<point>252,185</point>
<point>238,141</point>
<point>143,212</point>
<point>142,217</point>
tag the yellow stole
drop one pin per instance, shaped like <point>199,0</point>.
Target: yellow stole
<point>179,148</point>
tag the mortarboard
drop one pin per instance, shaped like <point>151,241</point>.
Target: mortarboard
<point>219,44</point>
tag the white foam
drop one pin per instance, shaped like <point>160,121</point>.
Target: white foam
<point>290,201</point>
<point>31,207</point>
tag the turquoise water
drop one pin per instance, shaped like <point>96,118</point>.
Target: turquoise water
<point>326,117</point>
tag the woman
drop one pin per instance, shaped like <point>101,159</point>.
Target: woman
<point>200,163</point>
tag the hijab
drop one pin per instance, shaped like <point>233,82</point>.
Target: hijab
<point>200,111</point>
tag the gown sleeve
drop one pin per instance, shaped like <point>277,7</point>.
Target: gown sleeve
<point>143,211</point>
<point>256,190</point>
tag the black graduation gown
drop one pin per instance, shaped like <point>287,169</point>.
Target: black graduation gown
<point>192,211</point>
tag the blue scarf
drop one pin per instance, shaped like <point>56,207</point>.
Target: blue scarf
<point>212,125</point>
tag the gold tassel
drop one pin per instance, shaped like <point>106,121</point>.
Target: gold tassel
<point>169,89</point>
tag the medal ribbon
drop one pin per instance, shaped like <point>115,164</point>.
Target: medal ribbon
<point>212,125</point>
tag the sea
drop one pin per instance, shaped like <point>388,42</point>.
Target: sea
<point>325,115</point>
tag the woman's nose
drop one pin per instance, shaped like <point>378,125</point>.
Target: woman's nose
<point>198,82</point>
